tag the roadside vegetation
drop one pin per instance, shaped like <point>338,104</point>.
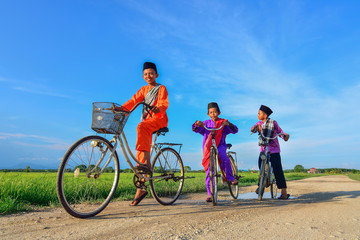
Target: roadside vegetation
<point>28,189</point>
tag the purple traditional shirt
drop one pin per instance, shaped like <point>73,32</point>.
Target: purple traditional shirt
<point>274,146</point>
<point>210,124</point>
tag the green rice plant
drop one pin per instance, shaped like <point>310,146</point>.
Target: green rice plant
<point>354,176</point>
<point>10,205</point>
<point>20,191</point>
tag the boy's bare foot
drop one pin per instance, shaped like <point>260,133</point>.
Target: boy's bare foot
<point>235,182</point>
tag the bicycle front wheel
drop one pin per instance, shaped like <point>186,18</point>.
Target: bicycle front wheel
<point>87,177</point>
<point>234,189</point>
<point>213,174</point>
<point>168,176</point>
<point>262,181</point>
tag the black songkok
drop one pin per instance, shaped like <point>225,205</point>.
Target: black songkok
<point>213,105</point>
<point>149,65</point>
<point>266,110</point>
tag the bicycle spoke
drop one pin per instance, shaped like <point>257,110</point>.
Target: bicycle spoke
<point>78,188</point>
<point>167,180</point>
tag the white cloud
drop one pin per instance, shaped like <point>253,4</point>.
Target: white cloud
<point>178,97</point>
<point>33,88</point>
<point>35,141</point>
<point>47,92</point>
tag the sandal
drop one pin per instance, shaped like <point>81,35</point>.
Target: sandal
<point>143,168</point>
<point>137,200</point>
<point>208,199</point>
<point>284,196</point>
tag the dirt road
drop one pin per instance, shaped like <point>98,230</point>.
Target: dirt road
<point>321,208</point>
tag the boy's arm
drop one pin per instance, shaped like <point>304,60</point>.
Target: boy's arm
<point>162,100</point>
<point>230,128</point>
<point>196,128</point>
<point>278,130</point>
<point>255,128</point>
<point>138,97</point>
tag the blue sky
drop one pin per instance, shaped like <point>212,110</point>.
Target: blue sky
<point>301,58</point>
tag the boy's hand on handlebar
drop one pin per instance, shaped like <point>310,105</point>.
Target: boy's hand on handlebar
<point>155,110</point>
<point>256,128</point>
<point>199,123</point>
<point>286,137</point>
<point>116,109</point>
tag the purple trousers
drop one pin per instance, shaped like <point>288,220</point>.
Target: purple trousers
<point>225,166</point>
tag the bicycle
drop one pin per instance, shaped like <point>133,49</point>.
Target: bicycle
<point>214,168</point>
<point>266,174</point>
<point>88,174</point>
<point>234,189</point>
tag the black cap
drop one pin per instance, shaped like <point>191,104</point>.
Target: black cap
<point>213,105</point>
<point>266,110</point>
<point>149,65</point>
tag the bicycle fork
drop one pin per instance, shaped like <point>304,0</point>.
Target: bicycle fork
<point>94,144</point>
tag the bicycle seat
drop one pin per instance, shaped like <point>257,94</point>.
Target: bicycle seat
<point>229,145</point>
<point>162,130</point>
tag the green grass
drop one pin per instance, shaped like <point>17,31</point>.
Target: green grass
<point>20,191</point>
<point>354,176</point>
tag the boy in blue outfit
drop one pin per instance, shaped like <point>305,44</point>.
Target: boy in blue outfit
<point>215,122</point>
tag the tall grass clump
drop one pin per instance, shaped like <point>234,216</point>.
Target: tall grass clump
<point>19,190</point>
<point>354,176</point>
<point>10,205</point>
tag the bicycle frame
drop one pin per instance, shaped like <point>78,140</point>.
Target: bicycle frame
<point>267,153</point>
<point>213,143</point>
<point>121,138</point>
<point>232,154</point>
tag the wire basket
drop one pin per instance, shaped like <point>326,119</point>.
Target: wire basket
<point>105,121</point>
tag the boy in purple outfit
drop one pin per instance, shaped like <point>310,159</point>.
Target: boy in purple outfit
<point>267,124</point>
<point>213,113</point>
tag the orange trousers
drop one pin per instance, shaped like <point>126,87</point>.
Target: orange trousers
<point>145,131</point>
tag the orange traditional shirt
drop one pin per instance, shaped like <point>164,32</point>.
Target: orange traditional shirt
<point>162,102</point>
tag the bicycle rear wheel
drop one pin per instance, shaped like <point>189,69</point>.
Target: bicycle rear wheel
<point>213,174</point>
<point>273,186</point>
<point>234,189</point>
<point>168,176</point>
<point>83,190</point>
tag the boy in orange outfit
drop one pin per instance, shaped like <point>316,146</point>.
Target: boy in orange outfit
<point>155,95</point>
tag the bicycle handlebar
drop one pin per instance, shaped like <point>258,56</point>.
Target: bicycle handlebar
<point>136,105</point>
<point>124,111</point>
<point>269,138</point>
<point>214,129</point>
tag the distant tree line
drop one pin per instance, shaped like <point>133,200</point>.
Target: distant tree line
<point>300,168</point>
<point>297,168</point>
